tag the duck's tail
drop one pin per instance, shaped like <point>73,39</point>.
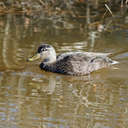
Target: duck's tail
<point>114,62</point>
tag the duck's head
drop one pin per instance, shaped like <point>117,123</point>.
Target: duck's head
<point>46,53</point>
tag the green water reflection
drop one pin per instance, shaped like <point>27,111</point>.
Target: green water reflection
<point>31,98</point>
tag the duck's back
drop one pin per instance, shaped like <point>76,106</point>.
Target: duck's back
<point>81,63</point>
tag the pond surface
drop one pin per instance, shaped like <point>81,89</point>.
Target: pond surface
<point>31,98</point>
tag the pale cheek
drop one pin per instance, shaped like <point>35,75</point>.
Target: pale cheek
<point>44,55</point>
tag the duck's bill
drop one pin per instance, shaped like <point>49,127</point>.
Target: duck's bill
<point>35,57</point>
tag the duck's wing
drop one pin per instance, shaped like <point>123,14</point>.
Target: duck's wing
<point>87,54</point>
<point>71,63</point>
<point>97,54</point>
<point>80,63</point>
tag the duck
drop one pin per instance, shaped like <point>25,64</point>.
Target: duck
<point>71,63</point>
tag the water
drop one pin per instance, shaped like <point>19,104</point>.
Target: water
<point>31,98</point>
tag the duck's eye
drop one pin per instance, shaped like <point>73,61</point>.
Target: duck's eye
<point>44,49</point>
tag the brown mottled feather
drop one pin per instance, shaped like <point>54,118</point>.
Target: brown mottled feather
<point>78,63</point>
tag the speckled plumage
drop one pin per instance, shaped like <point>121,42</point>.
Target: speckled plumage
<point>73,63</point>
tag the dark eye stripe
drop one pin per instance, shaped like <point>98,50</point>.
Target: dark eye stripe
<point>43,48</point>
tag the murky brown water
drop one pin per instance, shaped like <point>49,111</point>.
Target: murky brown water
<point>31,98</point>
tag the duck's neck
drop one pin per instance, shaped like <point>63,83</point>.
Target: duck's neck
<point>48,64</point>
<point>50,60</point>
